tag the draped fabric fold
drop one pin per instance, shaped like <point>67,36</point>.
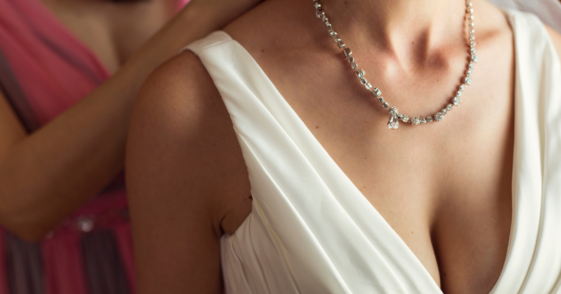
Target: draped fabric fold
<point>64,268</point>
<point>3,272</point>
<point>312,231</point>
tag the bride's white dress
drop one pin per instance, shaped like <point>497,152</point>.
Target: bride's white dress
<point>312,231</point>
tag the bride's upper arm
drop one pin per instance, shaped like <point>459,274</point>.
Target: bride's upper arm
<point>184,173</point>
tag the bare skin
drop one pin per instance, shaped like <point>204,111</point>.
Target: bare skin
<point>113,31</point>
<point>72,158</point>
<point>445,188</point>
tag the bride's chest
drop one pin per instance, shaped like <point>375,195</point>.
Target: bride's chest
<point>444,187</point>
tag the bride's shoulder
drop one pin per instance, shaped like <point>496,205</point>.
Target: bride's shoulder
<point>500,23</point>
<point>177,90</point>
<point>556,39</point>
<point>181,136</point>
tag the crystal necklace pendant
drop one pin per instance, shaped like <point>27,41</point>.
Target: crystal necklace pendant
<point>393,123</point>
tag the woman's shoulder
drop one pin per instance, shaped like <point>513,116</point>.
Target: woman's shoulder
<point>532,25</point>
<point>180,124</point>
<point>556,39</point>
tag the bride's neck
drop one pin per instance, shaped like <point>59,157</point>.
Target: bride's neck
<point>393,23</point>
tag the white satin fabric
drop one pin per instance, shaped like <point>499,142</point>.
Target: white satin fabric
<point>312,231</point>
<point>549,11</point>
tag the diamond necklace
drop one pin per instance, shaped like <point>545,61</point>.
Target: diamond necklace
<point>395,116</point>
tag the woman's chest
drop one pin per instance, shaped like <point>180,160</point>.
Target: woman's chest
<point>444,187</point>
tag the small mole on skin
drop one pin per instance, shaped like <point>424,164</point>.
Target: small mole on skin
<point>262,50</point>
<point>411,232</point>
<point>317,127</point>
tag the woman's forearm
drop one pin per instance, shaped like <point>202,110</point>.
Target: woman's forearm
<point>48,174</point>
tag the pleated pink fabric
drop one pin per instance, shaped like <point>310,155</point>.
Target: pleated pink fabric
<point>3,274</point>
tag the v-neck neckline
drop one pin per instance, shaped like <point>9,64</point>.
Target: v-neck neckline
<point>310,135</point>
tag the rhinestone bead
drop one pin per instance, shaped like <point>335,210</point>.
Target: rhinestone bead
<point>474,58</point>
<point>423,120</point>
<point>399,115</point>
<point>350,59</point>
<point>317,5</point>
<point>319,13</point>
<point>462,87</point>
<point>470,65</point>
<point>405,118</point>
<point>363,81</point>
<point>393,110</point>
<point>449,107</point>
<point>347,52</point>
<point>324,18</point>
<point>368,86</point>
<point>341,44</point>
<point>467,81</point>
<point>354,65</point>
<point>360,72</point>
<point>415,120</point>
<point>386,105</point>
<point>428,119</point>
<point>332,32</point>
<point>456,101</point>
<point>444,111</point>
<point>381,100</point>
<point>377,91</point>
<point>438,116</point>
<point>472,50</point>
<point>327,24</point>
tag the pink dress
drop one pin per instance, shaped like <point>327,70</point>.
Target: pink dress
<point>44,70</point>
